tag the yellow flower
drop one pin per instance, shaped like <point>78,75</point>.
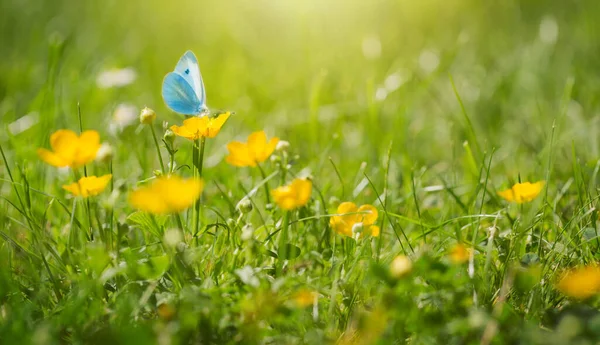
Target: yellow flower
<point>170,194</point>
<point>401,266</point>
<point>522,192</point>
<point>580,283</point>
<point>249,154</point>
<point>351,219</point>
<point>71,150</point>
<point>459,254</point>
<point>305,298</point>
<point>294,195</point>
<point>88,186</point>
<point>195,128</point>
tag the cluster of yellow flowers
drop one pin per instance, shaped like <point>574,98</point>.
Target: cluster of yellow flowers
<point>169,194</point>
<point>73,151</point>
<point>172,194</point>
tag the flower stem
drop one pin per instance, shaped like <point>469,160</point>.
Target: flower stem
<point>162,164</point>
<point>111,213</point>
<point>179,222</point>
<point>198,157</point>
<point>81,131</point>
<point>264,176</point>
<point>282,250</point>
<point>90,223</point>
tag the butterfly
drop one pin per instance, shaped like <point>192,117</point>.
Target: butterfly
<point>183,89</point>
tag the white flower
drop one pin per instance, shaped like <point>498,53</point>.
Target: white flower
<point>116,77</point>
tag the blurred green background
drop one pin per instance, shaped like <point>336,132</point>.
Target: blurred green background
<point>366,72</point>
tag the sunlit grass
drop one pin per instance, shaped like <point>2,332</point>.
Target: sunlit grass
<point>362,178</point>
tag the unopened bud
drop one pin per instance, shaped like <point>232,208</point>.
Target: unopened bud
<point>147,116</point>
<point>104,154</point>
<point>173,237</point>
<point>357,228</point>
<point>247,232</point>
<point>244,206</point>
<point>169,137</point>
<point>282,145</point>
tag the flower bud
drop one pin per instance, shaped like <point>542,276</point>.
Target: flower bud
<point>181,247</point>
<point>282,145</point>
<point>244,206</point>
<point>169,137</point>
<point>357,228</point>
<point>334,201</point>
<point>172,237</point>
<point>401,266</point>
<point>231,224</point>
<point>247,232</point>
<point>147,116</point>
<point>104,154</point>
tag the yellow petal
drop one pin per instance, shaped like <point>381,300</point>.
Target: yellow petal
<point>214,125</point>
<point>580,283</point>
<point>305,298</point>
<point>87,147</point>
<point>284,197</point>
<point>73,188</point>
<point>374,230</point>
<point>526,192</point>
<point>369,217</point>
<point>459,254</point>
<point>181,194</point>
<point>170,194</point>
<point>93,185</point>
<point>343,222</point>
<point>507,195</point>
<point>239,155</point>
<point>64,144</point>
<point>256,143</point>
<point>146,200</point>
<point>303,190</point>
<point>268,150</point>
<point>52,158</point>
<point>182,132</point>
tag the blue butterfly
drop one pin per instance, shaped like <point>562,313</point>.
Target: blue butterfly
<point>183,89</point>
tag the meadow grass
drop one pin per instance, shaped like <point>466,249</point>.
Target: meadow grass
<point>424,110</point>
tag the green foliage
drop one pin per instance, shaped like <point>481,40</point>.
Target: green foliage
<point>423,109</point>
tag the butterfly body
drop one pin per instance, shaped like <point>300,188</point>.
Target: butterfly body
<point>183,89</point>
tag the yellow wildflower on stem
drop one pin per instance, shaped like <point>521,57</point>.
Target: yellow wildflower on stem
<point>166,195</point>
<point>197,129</point>
<point>71,150</point>
<point>459,254</point>
<point>250,154</point>
<point>522,192</point>
<point>355,221</point>
<point>88,186</point>
<point>288,198</point>
<point>580,283</point>
<point>305,298</point>
<point>294,195</point>
<point>253,152</point>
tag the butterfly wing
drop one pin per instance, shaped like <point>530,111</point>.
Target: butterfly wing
<point>179,95</point>
<point>188,68</point>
